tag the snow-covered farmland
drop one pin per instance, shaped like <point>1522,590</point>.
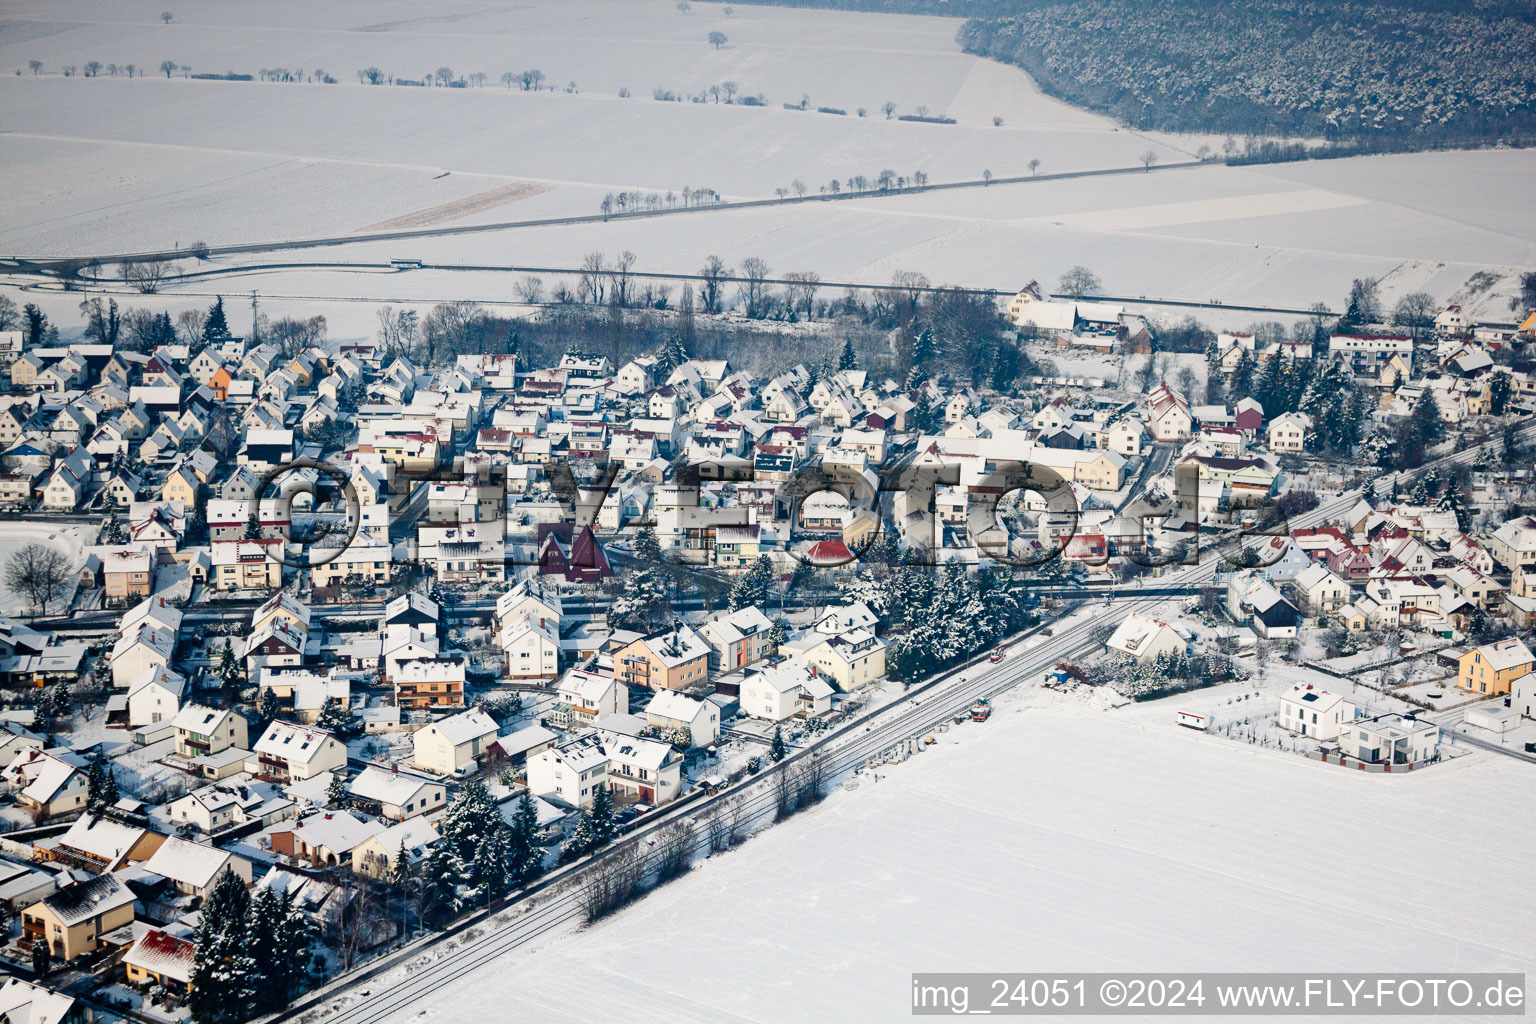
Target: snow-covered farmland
<point>1057,836</point>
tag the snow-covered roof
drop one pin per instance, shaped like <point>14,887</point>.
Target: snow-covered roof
<point>182,860</point>
<point>465,726</point>
<point>160,953</point>
<point>85,900</point>
<point>1506,654</point>
<point>388,787</point>
<point>523,740</point>
<point>336,830</point>
<point>159,675</point>
<point>674,705</point>
<point>292,742</point>
<point>101,837</point>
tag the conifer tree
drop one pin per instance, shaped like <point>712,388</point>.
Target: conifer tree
<point>216,327</point>
<point>440,875</point>
<point>223,973</point>
<point>848,359</point>
<point>525,856</point>
<point>777,749</point>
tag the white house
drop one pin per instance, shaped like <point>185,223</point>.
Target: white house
<point>1145,638</point>
<point>848,660</point>
<point>155,696</point>
<point>569,773</point>
<point>672,711</point>
<point>645,770</point>
<point>532,649</point>
<point>784,690</point>
<point>1308,711</point>
<point>1289,431</point>
<point>581,698</point>
<point>1390,739</point>
<point>1320,591</point>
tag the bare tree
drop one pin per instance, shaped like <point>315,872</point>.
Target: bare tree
<point>888,108</point>
<point>190,323</point>
<point>507,78</point>
<point>1034,166</point>
<point>1415,311</point>
<point>611,881</point>
<point>592,278</point>
<point>754,290</point>
<point>530,78</point>
<point>477,79</point>
<point>799,187</point>
<point>674,850</point>
<point>530,289</point>
<point>912,285</point>
<point>39,572</point>
<point>781,192</point>
<point>1148,158</point>
<point>35,65</point>
<point>684,6</point>
<point>713,272</point>
<point>92,68</point>
<point>622,266</point>
<point>717,39</point>
<point>810,781</point>
<point>1079,281</point>
<point>165,16</point>
<point>443,75</point>
<point>146,275</point>
<point>168,66</point>
<point>986,177</point>
<point>730,89</point>
<point>802,288</point>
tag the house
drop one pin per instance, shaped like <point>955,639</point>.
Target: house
<point>532,649</point>
<point>581,698</point>
<point>1319,591</point>
<point>1289,432</point>
<point>292,753</point>
<point>670,659</point>
<point>48,782</point>
<point>278,642</point>
<point>244,565</point>
<point>201,731</point>
<point>159,958</point>
<point>1493,668</point>
<point>101,845</point>
<point>676,713</point>
<point>1514,543</point>
<point>376,856</point>
<point>396,795</point>
<point>127,574</point>
<point>428,682</point>
<point>1308,711</point>
<point>453,745</point>
<point>155,696</point>
<point>783,690</point>
<point>282,608</point>
<point>1390,739</point>
<point>570,773</point>
<point>532,598</point>
<point>139,648</point>
<point>1168,414</point>
<point>237,800</point>
<point>847,660</point>
<point>193,868</point>
<point>73,920</point>
<point>640,770</point>
<point>325,838</point>
<point>25,1002</point>
<point>1145,639</point>
<point>737,639</point>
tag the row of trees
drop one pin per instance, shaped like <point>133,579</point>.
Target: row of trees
<point>251,953</point>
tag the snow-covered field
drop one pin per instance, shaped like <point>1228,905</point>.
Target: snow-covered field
<point>1058,836</point>
<point>112,164</point>
<point>70,538</point>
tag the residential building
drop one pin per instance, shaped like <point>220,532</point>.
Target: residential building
<point>1493,668</point>
<point>73,920</point>
<point>452,745</point>
<point>1315,713</point>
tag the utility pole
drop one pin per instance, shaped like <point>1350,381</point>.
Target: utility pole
<point>255,322</point>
